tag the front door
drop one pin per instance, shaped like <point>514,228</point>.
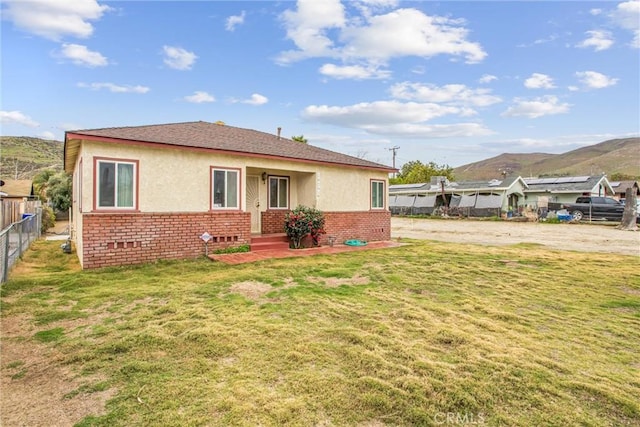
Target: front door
<point>253,202</point>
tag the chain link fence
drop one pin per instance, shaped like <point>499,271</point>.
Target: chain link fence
<point>16,239</point>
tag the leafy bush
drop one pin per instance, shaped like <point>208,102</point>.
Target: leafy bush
<point>48,219</point>
<point>301,221</point>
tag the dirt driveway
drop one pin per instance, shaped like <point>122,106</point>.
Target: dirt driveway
<point>573,237</point>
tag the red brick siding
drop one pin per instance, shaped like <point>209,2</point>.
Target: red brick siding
<point>273,221</point>
<point>365,225</point>
<point>112,239</point>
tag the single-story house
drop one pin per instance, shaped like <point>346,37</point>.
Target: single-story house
<point>565,189</point>
<point>17,190</point>
<point>17,197</point>
<point>467,198</point>
<point>620,188</point>
<point>144,193</point>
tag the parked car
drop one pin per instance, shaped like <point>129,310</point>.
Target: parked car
<point>604,208</point>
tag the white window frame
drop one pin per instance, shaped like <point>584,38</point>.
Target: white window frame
<point>98,182</point>
<point>381,194</point>
<point>278,179</point>
<point>226,171</point>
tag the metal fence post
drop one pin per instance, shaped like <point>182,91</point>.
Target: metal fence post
<point>5,261</point>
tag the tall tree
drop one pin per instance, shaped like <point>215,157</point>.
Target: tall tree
<point>416,172</point>
<point>54,187</point>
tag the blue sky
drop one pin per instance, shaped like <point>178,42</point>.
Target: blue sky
<point>452,82</point>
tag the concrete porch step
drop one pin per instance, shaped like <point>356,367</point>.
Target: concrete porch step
<point>267,242</point>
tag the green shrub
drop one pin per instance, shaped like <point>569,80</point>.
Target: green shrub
<point>48,219</point>
<point>301,221</point>
<point>232,249</point>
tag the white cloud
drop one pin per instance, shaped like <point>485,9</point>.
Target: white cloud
<point>80,55</point>
<point>54,19</point>
<point>307,27</point>
<point>595,12</point>
<point>394,119</point>
<point>178,58</point>
<point>321,29</point>
<point>432,131</point>
<point>627,16</point>
<point>16,117</point>
<point>409,32</point>
<point>115,88</point>
<point>539,81</point>
<point>595,80</point>
<point>234,21</point>
<point>455,94</point>
<point>598,40</point>
<point>537,107</point>
<point>356,72</point>
<point>199,97</point>
<point>256,99</point>
<point>487,78</point>
<point>378,112</point>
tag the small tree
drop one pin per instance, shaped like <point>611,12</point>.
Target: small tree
<point>302,221</point>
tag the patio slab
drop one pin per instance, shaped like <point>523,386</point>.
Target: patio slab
<point>245,257</point>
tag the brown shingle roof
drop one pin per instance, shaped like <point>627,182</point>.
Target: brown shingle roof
<point>17,188</point>
<point>225,138</point>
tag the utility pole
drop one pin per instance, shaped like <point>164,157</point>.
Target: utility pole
<point>394,149</point>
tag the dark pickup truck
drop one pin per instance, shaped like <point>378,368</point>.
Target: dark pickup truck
<point>595,208</point>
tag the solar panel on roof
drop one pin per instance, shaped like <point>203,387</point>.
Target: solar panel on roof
<point>533,181</point>
<point>564,180</point>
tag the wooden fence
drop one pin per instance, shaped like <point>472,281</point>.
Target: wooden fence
<point>13,210</point>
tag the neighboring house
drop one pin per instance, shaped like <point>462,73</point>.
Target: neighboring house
<point>469,198</point>
<point>620,188</point>
<point>17,190</point>
<point>565,189</point>
<point>16,198</point>
<point>149,192</point>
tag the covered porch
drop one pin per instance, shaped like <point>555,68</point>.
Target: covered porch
<point>271,193</point>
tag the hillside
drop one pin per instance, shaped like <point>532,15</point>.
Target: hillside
<point>616,156</point>
<point>23,157</point>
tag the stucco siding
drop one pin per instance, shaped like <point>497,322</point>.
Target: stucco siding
<point>172,179</point>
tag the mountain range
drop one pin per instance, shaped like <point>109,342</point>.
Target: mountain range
<point>615,157</point>
<point>23,157</point>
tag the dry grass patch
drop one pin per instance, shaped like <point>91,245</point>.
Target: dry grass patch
<point>334,282</point>
<point>251,290</point>
<point>38,388</point>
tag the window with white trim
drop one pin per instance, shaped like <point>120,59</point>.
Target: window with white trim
<point>377,194</point>
<point>116,184</point>
<point>278,192</point>
<point>225,188</point>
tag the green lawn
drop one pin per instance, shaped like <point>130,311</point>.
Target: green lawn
<point>424,334</point>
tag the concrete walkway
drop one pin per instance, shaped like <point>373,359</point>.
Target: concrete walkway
<point>245,257</point>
